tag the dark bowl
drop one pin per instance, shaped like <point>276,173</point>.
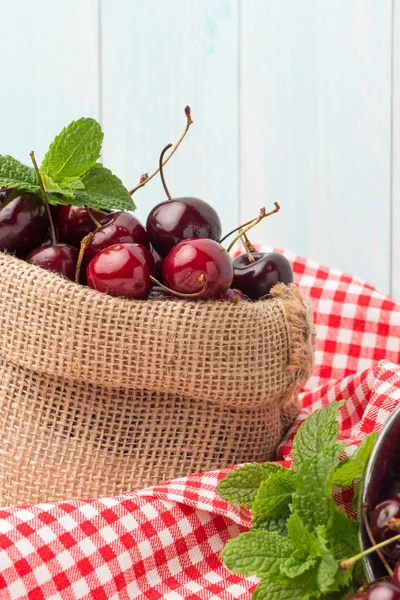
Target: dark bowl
<point>381,481</point>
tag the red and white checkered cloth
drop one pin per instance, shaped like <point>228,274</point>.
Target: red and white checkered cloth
<point>164,542</point>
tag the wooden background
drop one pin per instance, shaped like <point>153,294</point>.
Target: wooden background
<point>293,101</point>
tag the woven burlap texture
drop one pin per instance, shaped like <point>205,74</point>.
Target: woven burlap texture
<point>101,396</point>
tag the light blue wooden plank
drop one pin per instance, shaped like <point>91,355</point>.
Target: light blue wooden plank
<point>157,57</point>
<point>396,152</point>
<point>49,71</point>
<point>315,129</point>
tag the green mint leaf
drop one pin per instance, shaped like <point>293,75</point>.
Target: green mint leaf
<point>257,552</point>
<point>72,183</point>
<point>353,467</point>
<point>241,485</point>
<point>342,534</point>
<point>302,538</point>
<point>52,186</point>
<point>271,524</point>
<point>74,150</point>
<point>312,501</point>
<point>316,433</point>
<point>55,199</point>
<point>328,567</point>
<point>104,190</point>
<point>280,590</point>
<point>17,175</point>
<point>275,495</point>
<point>297,564</point>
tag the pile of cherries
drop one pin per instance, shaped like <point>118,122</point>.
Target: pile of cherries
<point>178,255</point>
<point>384,524</point>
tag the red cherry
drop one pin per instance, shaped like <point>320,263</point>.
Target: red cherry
<point>23,222</point>
<point>73,223</point>
<point>233,295</point>
<point>384,590</point>
<point>396,574</point>
<point>121,270</point>
<point>158,261</point>
<point>388,509</point>
<point>191,259</point>
<point>60,258</point>
<point>181,218</point>
<point>257,278</point>
<point>119,228</point>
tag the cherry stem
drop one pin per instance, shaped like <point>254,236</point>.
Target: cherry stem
<point>349,562</point>
<point>201,278</point>
<point>145,178</point>
<point>249,248</point>
<point>162,172</point>
<point>92,217</point>
<point>372,539</point>
<point>87,240</point>
<point>253,223</point>
<point>46,202</point>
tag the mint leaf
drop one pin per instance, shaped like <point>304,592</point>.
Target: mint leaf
<point>274,496</point>
<point>74,150</point>
<point>271,524</point>
<point>312,501</point>
<point>104,190</point>
<point>17,175</point>
<point>279,590</point>
<point>343,534</point>
<point>52,186</point>
<point>297,564</point>
<point>241,485</point>
<point>353,467</point>
<point>316,433</point>
<point>328,566</point>
<point>302,538</point>
<point>258,553</point>
<point>72,183</point>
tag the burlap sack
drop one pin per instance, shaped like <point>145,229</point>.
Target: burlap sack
<point>100,395</point>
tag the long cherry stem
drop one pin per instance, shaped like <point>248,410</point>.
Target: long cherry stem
<point>146,178</point>
<point>372,539</point>
<point>46,202</point>
<point>253,223</point>
<point>162,172</point>
<point>201,278</point>
<point>349,562</point>
<point>87,240</point>
<point>92,217</point>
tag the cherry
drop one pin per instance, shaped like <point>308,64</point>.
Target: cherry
<point>178,219</point>
<point>60,258</point>
<point>23,222</point>
<point>194,259</point>
<point>388,509</point>
<point>74,222</point>
<point>118,228</point>
<point>158,261</point>
<point>181,218</point>
<point>383,590</point>
<point>396,574</point>
<point>121,270</point>
<point>257,278</point>
<point>233,295</point>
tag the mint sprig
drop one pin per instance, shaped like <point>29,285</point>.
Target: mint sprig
<point>298,536</point>
<point>70,171</point>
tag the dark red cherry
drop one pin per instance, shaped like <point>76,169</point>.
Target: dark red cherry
<point>257,278</point>
<point>23,223</point>
<point>388,509</point>
<point>396,574</point>
<point>181,218</point>
<point>233,295</point>
<point>60,258</point>
<point>158,261</point>
<point>383,590</point>
<point>121,270</point>
<point>191,259</point>
<point>119,228</point>
<point>73,223</point>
